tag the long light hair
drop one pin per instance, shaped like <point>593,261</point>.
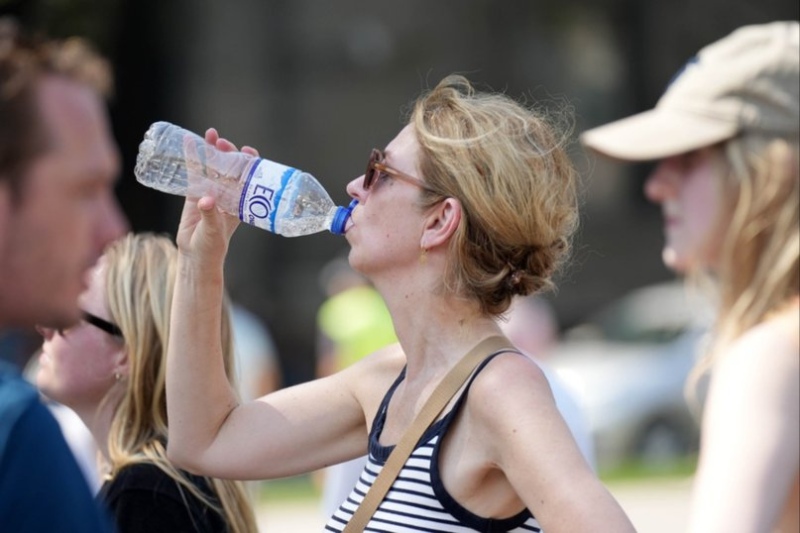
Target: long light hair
<point>758,272</point>
<point>139,283</point>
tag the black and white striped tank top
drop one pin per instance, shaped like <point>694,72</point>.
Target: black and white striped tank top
<point>418,500</point>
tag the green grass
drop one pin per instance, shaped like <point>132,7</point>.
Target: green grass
<point>292,488</point>
<point>636,470</point>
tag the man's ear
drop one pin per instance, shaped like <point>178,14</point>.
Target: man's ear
<point>441,224</point>
<point>6,198</point>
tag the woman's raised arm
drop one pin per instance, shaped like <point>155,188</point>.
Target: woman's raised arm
<point>209,432</point>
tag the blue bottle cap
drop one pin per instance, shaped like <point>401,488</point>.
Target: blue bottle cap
<point>341,217</point>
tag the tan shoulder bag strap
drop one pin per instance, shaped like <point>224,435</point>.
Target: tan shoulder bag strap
<point>439,399</point>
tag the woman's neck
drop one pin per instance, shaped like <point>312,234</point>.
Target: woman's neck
<point>436,331</point>
<point>97,418</point>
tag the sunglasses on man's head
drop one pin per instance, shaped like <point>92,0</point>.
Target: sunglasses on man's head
<point>376,166</point>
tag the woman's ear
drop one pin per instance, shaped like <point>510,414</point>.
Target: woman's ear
<point>121,362</point>
<point>442,222</point>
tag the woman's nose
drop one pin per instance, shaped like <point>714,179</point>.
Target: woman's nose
<point>356,188</point>
<point>659,184</point>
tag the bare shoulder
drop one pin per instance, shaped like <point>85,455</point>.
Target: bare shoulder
<point>775,343</point>
<point>388,360</point>
<point>372,376</point>
<point>781,332</point>
<point>510,407</point>
<point>509,382</point>
<point>765,360</point>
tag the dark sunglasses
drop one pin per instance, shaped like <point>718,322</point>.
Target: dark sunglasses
<point>376,166</point>
<point>105,325</point>
<point>100,323</point>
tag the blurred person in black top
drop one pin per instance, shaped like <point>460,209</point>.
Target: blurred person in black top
<point>110,369</point>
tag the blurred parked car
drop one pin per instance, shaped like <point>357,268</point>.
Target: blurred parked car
<point>627,366</point>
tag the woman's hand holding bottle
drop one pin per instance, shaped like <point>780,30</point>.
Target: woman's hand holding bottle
<point>205,231</point>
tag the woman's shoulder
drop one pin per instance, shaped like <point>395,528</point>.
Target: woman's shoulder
<point>372,376</point>
<point>149,477</point>
<point>138,474</point>
<point>775,341</point>
<point>765,358</point>
<point>507,382</point>
<point>143,497</point>
<point>387,361</point>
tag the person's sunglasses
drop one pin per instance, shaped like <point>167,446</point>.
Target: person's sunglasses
<point>100,323</point>
<point>376,166</point>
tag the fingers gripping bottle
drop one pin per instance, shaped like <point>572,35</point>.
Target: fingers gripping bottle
<point>260,192</point>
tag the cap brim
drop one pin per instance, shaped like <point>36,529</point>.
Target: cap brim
<point>657,134</point>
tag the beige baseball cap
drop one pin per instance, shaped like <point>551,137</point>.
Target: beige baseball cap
<point>745,82</point>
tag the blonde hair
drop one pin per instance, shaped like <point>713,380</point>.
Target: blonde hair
<point>758,271</point>
<point>507,166</point>
<point>139,284</point>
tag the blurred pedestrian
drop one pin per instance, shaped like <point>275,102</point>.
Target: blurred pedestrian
<point>472,203</point>
<point>352,323</point>
<point>258,370</point>
<point>58,165</point>
<point>726,137</point>
<point>532,326</point>
<point>109,368</point>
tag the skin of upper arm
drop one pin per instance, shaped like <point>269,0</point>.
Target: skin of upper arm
<point>531,444</point>
<point>304,427</point>
<point>750,434</point>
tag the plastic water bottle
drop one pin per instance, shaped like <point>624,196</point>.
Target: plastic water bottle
<point>260,192</point>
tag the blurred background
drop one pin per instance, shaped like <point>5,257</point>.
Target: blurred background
<point>316,84</point>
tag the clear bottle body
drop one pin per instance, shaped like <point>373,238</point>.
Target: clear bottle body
<point>260,192</point>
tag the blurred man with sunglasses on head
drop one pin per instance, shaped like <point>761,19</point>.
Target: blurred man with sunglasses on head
<point>58,165</point>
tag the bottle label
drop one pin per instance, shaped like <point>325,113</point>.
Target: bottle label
<point>262,193</point>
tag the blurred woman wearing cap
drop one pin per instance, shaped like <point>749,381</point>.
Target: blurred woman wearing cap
<point>726,135</point>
